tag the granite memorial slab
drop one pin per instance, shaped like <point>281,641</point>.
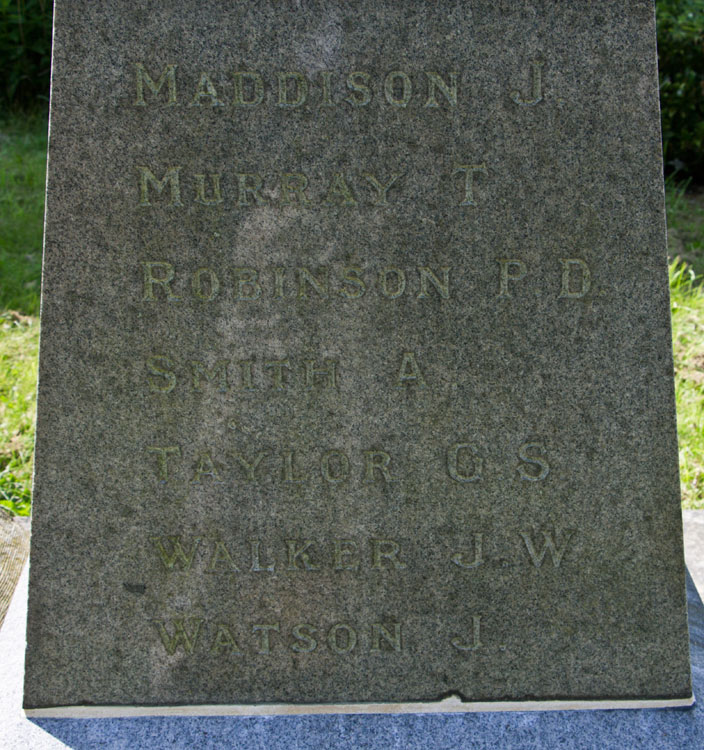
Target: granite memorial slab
<point>356,387</point>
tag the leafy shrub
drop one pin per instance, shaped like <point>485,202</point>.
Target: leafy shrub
<point>681,58</point>
<point>25,51</point>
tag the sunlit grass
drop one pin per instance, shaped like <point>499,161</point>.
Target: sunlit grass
<point>687,304</point>
<point>19,340</point>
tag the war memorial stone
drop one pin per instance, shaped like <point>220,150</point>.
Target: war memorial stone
<point>355,375</point>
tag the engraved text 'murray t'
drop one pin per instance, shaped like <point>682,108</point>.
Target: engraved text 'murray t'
<point>355,372</point>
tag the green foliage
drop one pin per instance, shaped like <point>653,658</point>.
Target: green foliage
<point>22,170</point>
<point>25,51</point>
<point>685,230</point>
<point>685,225</point>
<point>19,342</point>
<point>687,303</point>
<point>681,58</point>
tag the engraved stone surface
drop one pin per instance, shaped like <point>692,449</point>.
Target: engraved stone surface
<point>355,379</point>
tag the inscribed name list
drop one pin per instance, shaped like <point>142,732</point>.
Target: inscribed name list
<point>356,379</point>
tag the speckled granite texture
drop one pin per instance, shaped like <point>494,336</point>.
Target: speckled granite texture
<point>642,729</point>
<point>355,374</point>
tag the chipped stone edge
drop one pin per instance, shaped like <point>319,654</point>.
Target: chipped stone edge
<point>448,705</point>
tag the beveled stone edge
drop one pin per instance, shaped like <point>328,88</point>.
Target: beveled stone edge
<point>448,705</point>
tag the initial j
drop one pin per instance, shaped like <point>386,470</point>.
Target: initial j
<point>537,93</point>
<point>476,643</point>
<point>459,558</point>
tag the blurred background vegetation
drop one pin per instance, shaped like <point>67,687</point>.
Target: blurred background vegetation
<point>680,57</point>
<point>25,54</point>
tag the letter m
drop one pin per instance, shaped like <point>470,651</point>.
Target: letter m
<point>181,637</point>
<point>549,544</point>
<point>143,78</point>
<point>175,553</point>
<point>147,178</point>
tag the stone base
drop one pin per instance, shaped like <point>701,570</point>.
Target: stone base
<point>667,728</point>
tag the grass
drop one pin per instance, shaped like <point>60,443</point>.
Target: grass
<point>687,306</point>
<point>22,156</point>
<point>22,169</point>
<point>685,226</point>
<point>19,341</point>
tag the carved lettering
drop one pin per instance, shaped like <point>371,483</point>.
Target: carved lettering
<point>382,189</point>
<point>264,630</point>
<point>299,551</point>
<point>512,269</point>
<point>549,545</point>
<point>161,367</point>
<point>469,170</point>
<point>254,545</point>
<point>289,472</point>
<point>206,89</point>
<point>250,467</point>
<point>461,561</point>
<point>442,287</point>
<point>397,289</point>
<point>341,463</point>
<point>342,638</point>
<point>248,286</point>
<point>215,555</point>
<point>168,77</point>
<point>448,90</point>
<point>539,467</point>
<point>218,374</point>
<point>476,639</point>
<point>219,638</point>
<point>339,192</point>
<point>247,82</point>
<point>201,196</point>
<point>327,374</point>
<point>162,455</point>
<point>293,89</point>
<point>305,643</point>
<point>172,553</point>
<point>344,549</point>
<point>164,277</point>
<point>410,373</point>
<point>391,85</point>
<point>326,77</point>
<point>536,67</point>
<point>471,471</point>
<point>358,84</point>
<point>392,641</point>
<point>386,549</point>
<point>205,467</point>
<point>352,277</point>
<point>224,641</point>
<point>293,189</point>
<point>377,462</point>
<point>221,555</point>
<point>205,284</point>
<point>278,366</point>
<point>250,187</point>
<point>180,637</point>
<point>570,289</point>
<point>148,179</point>
<point>306,278</point>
